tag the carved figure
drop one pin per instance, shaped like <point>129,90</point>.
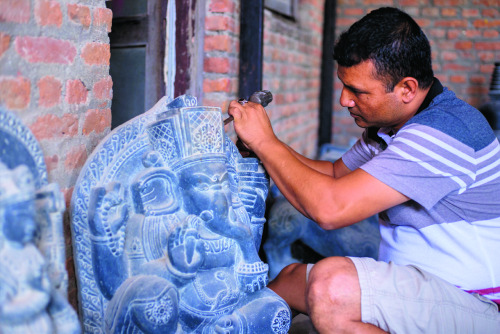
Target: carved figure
<point>173,246</point>
<point>287,225</point>
<point>33,279</point>
<point>28,301</point>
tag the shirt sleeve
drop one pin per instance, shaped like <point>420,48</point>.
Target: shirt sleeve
<point>424,164</point>
<point>360,153</point>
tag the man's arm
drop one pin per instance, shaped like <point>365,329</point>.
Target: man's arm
<point>332,200</point>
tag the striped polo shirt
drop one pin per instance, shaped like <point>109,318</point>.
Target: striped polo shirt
<point>446,159</point>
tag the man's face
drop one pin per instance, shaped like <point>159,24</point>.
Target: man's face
<point>366,98</point>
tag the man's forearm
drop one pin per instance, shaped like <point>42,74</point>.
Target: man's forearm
<point>325,167</point>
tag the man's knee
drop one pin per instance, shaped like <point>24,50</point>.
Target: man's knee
<point>333,282</point>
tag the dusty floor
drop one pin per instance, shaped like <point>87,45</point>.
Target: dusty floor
<point>301,324</point>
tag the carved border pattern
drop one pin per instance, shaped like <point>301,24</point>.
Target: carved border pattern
<point>13,125</point>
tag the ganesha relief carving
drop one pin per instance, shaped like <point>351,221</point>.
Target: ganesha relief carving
<point>167,220</point>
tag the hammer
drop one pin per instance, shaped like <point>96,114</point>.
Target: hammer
<point>264,97</point>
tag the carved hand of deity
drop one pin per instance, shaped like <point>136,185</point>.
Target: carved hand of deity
<point>229,324</point>
<point>252,276</point>
<point>108,211</point>
<point>186,251</point>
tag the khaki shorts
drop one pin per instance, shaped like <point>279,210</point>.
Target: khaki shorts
<point>405,299</point>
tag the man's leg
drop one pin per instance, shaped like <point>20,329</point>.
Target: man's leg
<point>334,298</point>
<point>290,284</point>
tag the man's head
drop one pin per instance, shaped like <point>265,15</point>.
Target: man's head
<point>384,63</point>
<point>393,42</point>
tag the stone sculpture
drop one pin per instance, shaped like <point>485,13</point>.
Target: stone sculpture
<point>287,226</point>
<point>33,280</point>
<point>167,218</point>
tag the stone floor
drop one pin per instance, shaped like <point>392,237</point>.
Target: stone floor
<point>301,324</point>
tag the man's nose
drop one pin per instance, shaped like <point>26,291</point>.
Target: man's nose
<point>346,99</point>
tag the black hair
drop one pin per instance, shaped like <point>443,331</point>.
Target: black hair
<point>395,44</point>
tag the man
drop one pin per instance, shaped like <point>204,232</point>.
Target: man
<point>427,163</point>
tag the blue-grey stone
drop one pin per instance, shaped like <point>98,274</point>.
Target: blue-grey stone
<point>33,278</point>
<point>167,218</point>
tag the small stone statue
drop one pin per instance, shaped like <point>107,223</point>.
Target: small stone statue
<point>168,218</point>
<point>33,279</point>
<point>29,303</point>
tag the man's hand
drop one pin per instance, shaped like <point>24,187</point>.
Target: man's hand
<point>252,125</point>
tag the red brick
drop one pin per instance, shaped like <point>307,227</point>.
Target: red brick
<point>103,89</point>
<point>487,45</point>
<point>76,92</point>
<point>451,23</point>
<point>51,126</point>
<point>96,120</point>
<point>449,55</point>
<point>470,12</point>
<point>471,33</point>
<point>490,12</point>
<point>45,50</point>
<point>216,65</point>
<point>15,11</point>
<point>15,92</point>
<point>430,12</point>
<point>458,79</point>
<point>491,34</point>
<point>486,56</point>
<point>441,3</point>
<point>218,22</point>
<point>217,85</point>
<point>76,157</point>
<point>478,79</point>
<point>217,43</point>
<point>463,45</point>
<point>453,33</point>
<point>4,43</point>
<point>449,12</point>
<point>49,91</point>
<point>354,12</point>
<point>221,6</point>
<point>486,23</point>
<point>51,162</point>
<point>96,54</point>
<point>79,14</point>
<point>103,16</point>
<point>48,13</point>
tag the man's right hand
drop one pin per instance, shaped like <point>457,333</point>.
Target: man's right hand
<point>252,125</point>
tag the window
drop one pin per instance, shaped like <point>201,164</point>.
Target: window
<point>137,41</point>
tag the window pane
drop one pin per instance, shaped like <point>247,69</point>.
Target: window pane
<point>128,7</point>
<point>127,69</point>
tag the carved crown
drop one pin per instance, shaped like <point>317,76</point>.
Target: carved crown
<point>16,185</point>
<point>188,135</point>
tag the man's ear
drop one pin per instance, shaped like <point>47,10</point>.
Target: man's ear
<point>408,87</point>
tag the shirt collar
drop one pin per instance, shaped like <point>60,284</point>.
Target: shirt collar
<point>384,136</point>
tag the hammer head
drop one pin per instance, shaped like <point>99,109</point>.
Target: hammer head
<point>263,97</point>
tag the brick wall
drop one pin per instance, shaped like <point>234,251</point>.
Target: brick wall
<point>292,61</point>
<point>465,41</point>
<point>54,74</point>
<point>292,64</point>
